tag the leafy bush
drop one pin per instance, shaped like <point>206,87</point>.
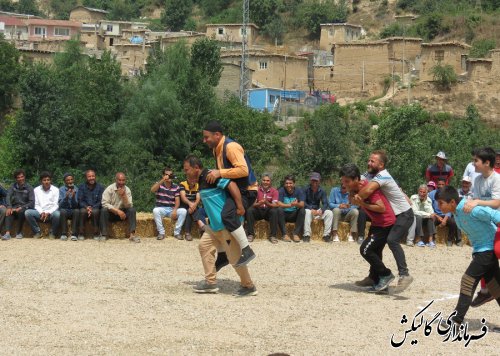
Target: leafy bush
<point>444,75</point>
<point>481,48</point>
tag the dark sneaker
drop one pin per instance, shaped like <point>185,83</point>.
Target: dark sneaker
<point>404,282</point>
<point>373,290</point>
<point>384,282</point>
<point>160,237</point>
<point>178,237</point>
<point>221,261</point>
<point>247,255</point>
<point>366,282</point>
<point>204,287</point>
<point>481,298</point>
<point>250,238</point>
<point>6,237</point>
<point>246,292</point>
<point>460,243</point>
<point>327,239</point>
<point>188,237</point>
<point>74,238</point>
<point>306,239</point>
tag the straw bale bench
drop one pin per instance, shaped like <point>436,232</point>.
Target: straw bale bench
<point>146,228</point>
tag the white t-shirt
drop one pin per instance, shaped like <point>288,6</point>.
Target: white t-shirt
<point>391,191</point>
<point>487,188</point>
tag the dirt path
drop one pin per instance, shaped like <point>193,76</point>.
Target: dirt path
<point>120,298</point>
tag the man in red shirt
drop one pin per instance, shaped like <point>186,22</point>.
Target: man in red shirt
<point>440,169</point>
<point>265,207</point>
<point>378,208</point>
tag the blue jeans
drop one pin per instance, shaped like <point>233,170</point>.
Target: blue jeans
<point>32,215</point>
<point>160,211</point>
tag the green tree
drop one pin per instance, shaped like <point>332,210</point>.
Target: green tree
<point>176,13</point>
<point>326,140</point>
<point>444,75</point>
<point>27,7</point>
<point>205,56</point>
<point>62,8</point>
<point>123,10</point>
<point>312,13</point>
<point>263,11</point>
<point>9,73</point>
<point>68,110</point>
<point>7,5</point>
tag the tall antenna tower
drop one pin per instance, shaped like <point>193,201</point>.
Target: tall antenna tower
<point>244,77</point>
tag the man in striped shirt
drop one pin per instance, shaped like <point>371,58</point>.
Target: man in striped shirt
<point>167,203</point>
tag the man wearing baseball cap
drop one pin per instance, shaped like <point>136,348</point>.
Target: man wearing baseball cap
<point>465,190</point>
<point>440,169</point>
<point>317,207</point>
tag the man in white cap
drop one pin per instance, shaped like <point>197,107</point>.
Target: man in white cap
<point>317,207</point>
<point>440,169</point>
<point>465,190</point>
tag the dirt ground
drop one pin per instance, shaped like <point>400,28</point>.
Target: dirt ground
<point>119,298</point>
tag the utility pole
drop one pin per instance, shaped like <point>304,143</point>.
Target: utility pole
<point>244,77</point>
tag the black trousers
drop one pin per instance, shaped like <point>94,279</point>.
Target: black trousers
<point>268,214</point>
<point>106,216</point>
<point>198,214</point>
<point>484,265</point>
<point>9,220</point>
<point>297,216</point>
<point>95,216</point>
<point>230,219</point>
<point>371,250</point>
<point>69,214</point>
<point>399,231</point>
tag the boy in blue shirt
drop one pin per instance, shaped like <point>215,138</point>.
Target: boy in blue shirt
<point>480,226</point>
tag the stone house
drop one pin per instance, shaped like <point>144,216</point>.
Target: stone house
<point>332,33</point>
<point>111,31</point>
<point>230,80</point>
<point>232,32</point>
<point>484,70</point>
<point>87,15</point>
<point>272,69</point>
<point>453,53</point>
<point>132,57</point>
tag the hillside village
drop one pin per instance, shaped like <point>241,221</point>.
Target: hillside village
<point>345,61</point>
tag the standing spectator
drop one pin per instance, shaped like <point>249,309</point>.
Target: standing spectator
<point>470,170</point>
<point>443,220</point>
<point>422,208</point>
<point>168,201</point>
<point>191,201</point>
<point>89,201</point>
<point>379,177</point>
<point>343,211</point>
<point>316,204</point>
<point>465,190</point>
<point>117,205</point>
<point>68,207</point>
<point>46,205</point>
<point>291,203</point>
<point>440,169</point>
<point>265,207</point>
<point>497,161</point>
<point>20,197</point>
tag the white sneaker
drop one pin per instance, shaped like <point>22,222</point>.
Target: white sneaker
<point>335,238</point>
<point>350,238</point>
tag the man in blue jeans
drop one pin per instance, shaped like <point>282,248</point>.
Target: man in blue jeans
<point>46,207</point>
<point>167,204</point>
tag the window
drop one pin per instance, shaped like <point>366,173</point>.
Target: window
<point>439,55</point>
<point>60,31</point>
<point>220,30</point>
<point>109,28</point>
<point>40,31</point>
<point>262,65</point>
<point>331,32</point>
<point>241,31</point>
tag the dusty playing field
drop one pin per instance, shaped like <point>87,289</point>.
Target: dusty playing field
<point>134,299</point>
